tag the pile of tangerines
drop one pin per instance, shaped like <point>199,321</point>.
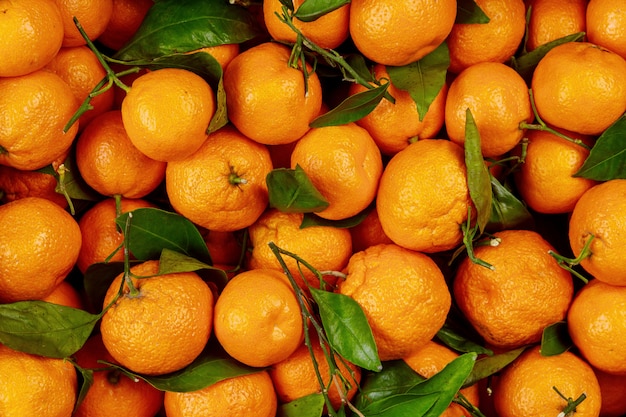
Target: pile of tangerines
<point>306,208</point>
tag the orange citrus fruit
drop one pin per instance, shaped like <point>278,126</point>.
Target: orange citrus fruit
<point>222,185</point>
<point>612,390</point>
<point>498,99</point>
<point>403,295</point>
<point>392,32</point>
<point>93,16</point>
<point>423,197</point>
<point>495,41</point>
<point>526,388</point>
<point>223,53</point>
<point>16,184</point>
<point>248,395</point>
<point>606,23</point>
<point>257,318</point>
<point>600,212</point>
<point>65,294</point>
<point>35,385</point>
<point>553,19</point>
<point>166,113</point>
<point>368,232</point>
<point>580,87</point>
<point>126,18</point>
<point>162,327</point>
<point>35,108</point>
<point>596,324</point>
<point>32,33</point>
<point>268,100</point>
<point>40,251</point>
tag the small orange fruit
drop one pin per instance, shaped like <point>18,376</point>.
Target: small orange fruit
<point>580,87</point>
<point>499,101</point>
<point>113,393</point>
<point>328,31</point>
<point>257,318</point>
<point>612,390</point>
<point>431,358</point>
<point>295,376</point>
<point>35,108</point>
<point>35,385</point>
<point>268,100</point>
<point>423,197</point>
<point>496,41</point>
<point>249,395</point>
<point>546,179</point>
<point>110,163</point>
<point>325,248</point>
<point>600,212</point>
<point>16,184</point>
<point>392,32</point>
<point>223,54</point>
<point>166,113</point>
<point>403,295</point>
<point>126,18</point>
<point>40,251</point>
<point>224,247</point>
<point>162,327</point>
<point>554,19</point>
<point>344,164</point>
<point>65,294</point>
<point>369,232</point>
<point>606,24</point>
<point>222,185</point>
<point>32,33</point>
<point>527,290</point>
<point>394,126</point>
<point>526,388</point>
<point>93,16</point>
<point>597,326</point>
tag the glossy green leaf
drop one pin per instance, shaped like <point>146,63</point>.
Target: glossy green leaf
<point>178,26</point>
<point>347,329</point>
<point>607,159</point>
<point>396,377</point>
<point>86,383</point>
<point>359,64</point>
<point>478,180</point>
<point>451,338</point>
<point>97,280</point>
<point>467,11</point>
<point>423,79</point>
<point>555,339</point>
<point>402,405</point>
<point>311,405</point>
<point>152,230</point>
<point>172,262</point>
<point>508,212</point>
<point>220,118</point>
<point>291,191</point>
<point>311,220</point>
<point>45,329</point>
<point>489,365</point>
<point>353,108</point>
<point>312,10</point>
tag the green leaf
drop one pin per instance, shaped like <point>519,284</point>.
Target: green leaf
<point>489,365</point>
<point>507,211</point>
<point>311,10</point>
<point>86,383</point>
<point>402,405</point>
<point>467,11</point>
<point>97,280</point>
<point>291,191</point>
<point>220,118</point>
<point>423,79</point>
<point>460,343</point>
<point>478,180</point>
<point>178,26</point>
<point>311,405</point>
<point>347,329</point>
<point>75,186</point>
<point>353,108</point>
<point>152,230</point>
<point>358,63</point>
<point>172,262</point>
<point>312,220</point>
<point>555,339</point>
<point>607,159</point>
<point>396,377</point>
<point>45,329</point>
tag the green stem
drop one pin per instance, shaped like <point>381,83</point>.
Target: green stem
<point>469,233</point>
<point>569,263</point>
<point>62,189</point>
<point>132,290</point>
<point>571,403</point>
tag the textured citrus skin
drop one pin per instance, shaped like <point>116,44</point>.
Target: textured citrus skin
<point>499,101</point>
<point>48,390</point>
<point>17,183</point>
<point>93,16</point>
<point>369,232</point>
<point>250,395</point>
<point>527,291</point>
<point>34,109</point>
<point>423,197</point>
<point>268,100</point>
<point>581,87</point>
<point>126,17</point>
<point>606,20</point>
<point>257,318</point>
<point>403,295</point>
<point>554,19</point>
<point>391,32</point>
<point>32,33</point>
<point>166,113</point>
<point>163,328</point>
<point>596,322</point>
<point>65,294</point>
<point>40,251</point>
<point>525,388</point>
<point>600,212</point>
<point>221,186</point>
<point>110,163</point>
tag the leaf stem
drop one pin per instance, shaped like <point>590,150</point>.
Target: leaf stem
<point>469,233</point>
<point>132,290</point>
<point>569,263</point>
<point>571,403</point>
<point>62,189</point>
